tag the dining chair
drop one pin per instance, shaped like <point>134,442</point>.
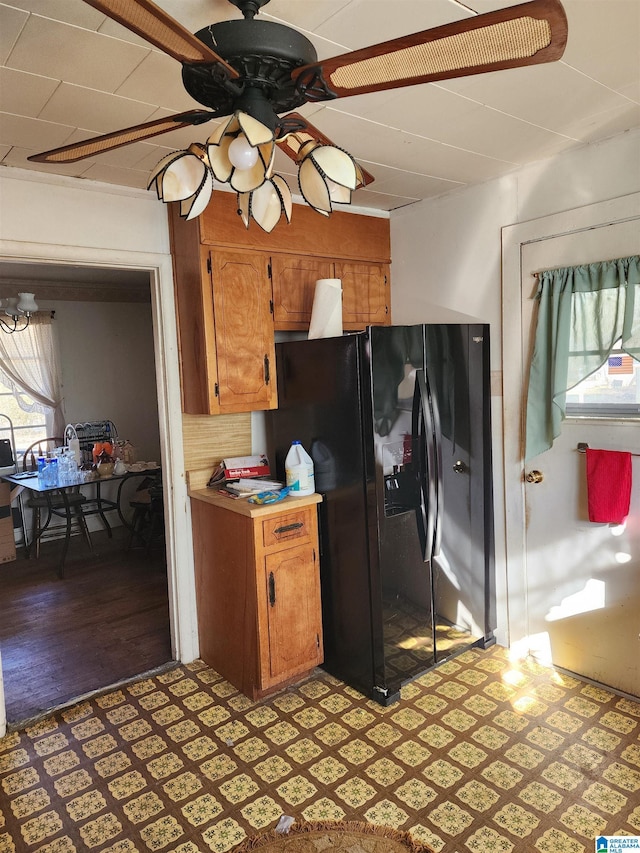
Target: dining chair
<point>147,504</point>
<point>52,503</point>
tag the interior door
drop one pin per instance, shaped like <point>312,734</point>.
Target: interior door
<point>582,580</point>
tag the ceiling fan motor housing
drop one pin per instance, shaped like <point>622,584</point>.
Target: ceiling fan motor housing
<point>264,54</point>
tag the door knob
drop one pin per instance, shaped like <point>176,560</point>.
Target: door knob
<point>534,477</point>
<point>459,467</point>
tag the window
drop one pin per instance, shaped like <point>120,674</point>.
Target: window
<point>612,391</point>
<point>30,383</point>
<point>27,426</point>
<point>586,314</point>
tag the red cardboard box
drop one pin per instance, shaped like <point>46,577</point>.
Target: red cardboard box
<point>237,467</point>
<point>246,466</point>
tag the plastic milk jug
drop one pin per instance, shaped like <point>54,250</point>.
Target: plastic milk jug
<point>298,467</point>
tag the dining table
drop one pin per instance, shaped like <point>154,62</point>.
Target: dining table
<point>96,504</point>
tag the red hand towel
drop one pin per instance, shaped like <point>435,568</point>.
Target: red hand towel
<point>608,485</point>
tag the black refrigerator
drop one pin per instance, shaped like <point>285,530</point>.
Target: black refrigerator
<point>397,422</point>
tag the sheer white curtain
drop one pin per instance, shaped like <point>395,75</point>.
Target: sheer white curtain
<point>30,362</point>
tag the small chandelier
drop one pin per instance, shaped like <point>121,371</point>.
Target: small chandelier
<point>19,311</point>
<point>241,152</point>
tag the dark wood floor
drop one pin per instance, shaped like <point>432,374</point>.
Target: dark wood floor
<point>106,621</point>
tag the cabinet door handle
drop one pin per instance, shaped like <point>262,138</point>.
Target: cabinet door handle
<point>287,527</point>
<point>267,370</point>
<point>272,589</point>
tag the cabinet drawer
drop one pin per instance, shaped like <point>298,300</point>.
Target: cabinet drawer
<point>287,527</point>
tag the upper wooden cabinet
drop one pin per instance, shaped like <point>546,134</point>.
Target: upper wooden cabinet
<point>365,294</point>
<point>235,287</point>
<point>365,291</point>
<point>293,281</point>
<point>227,347</point>
<point>244,343</point>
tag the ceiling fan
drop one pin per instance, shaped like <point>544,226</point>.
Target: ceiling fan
<point>256,72</point>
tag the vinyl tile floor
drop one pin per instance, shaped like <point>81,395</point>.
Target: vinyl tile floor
<point>480,754</point>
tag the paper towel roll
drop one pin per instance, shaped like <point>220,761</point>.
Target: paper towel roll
<point>326,314</point>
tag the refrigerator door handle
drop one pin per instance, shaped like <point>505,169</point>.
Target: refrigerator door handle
<point>428,476</point>
<point>418,455</point>
<point>437,444</point>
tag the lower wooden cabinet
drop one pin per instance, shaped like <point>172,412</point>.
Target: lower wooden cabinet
<point>257,589</point>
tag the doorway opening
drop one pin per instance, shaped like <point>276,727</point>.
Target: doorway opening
<point>108,619</point>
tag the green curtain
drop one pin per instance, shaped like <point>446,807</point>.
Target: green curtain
<point>582,312</point>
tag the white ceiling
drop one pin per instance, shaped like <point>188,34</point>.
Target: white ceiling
<point>68,73</point>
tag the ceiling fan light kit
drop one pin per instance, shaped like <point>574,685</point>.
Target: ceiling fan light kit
<point>327,174</point>
<point>266,204</point>
<point>258,138</point>
<point>254,72</point>
<point>184,176</point>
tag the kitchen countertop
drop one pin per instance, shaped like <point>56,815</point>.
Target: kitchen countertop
<point>243,507</point>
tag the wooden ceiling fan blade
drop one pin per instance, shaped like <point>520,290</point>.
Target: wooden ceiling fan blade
<point>527,34</point>
<point>294,130</point>
<point>107,142</point>
<point>154,25</point>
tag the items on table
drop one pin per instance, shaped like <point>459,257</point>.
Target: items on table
<point>58,468</point>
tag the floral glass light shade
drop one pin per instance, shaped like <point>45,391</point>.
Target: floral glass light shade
<point>241,152</point>
<point>266,204</point>
<point>19,310</point>
<point>184,176</point>
<point>326,174</point>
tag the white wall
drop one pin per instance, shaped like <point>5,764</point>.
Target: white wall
<point>446,251</point>
<point>66,212</point>
<point>446,255</point>
<point>108,368</point>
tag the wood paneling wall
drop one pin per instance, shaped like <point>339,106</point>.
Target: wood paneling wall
<point>210,438</point>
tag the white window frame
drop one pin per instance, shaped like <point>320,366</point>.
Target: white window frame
<point>615,410</point>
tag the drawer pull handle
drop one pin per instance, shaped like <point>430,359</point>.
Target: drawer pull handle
<point>288,527</point>
<point>272,589</point>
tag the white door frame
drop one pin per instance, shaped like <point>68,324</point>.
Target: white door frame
<point>514,373</point>
<point>180,575</point>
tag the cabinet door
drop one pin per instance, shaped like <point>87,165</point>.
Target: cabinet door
<point>365,294</point>
<point>245,346</point>
<point>293,283</point>
<point>294,613</point>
